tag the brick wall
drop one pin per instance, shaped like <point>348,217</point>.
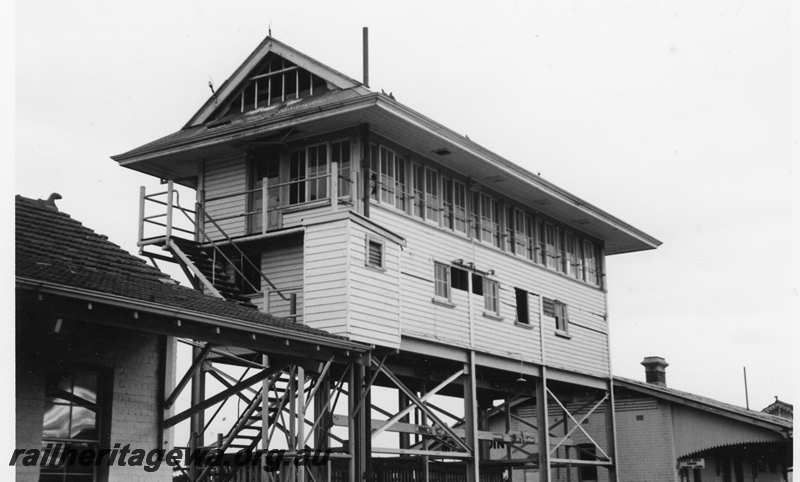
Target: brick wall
<point>645,445</point>
<point>131,356</point>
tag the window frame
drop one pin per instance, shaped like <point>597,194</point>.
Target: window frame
<point>448,293</point>
<point>560,316</point>
<point>433,211</point>
<point>344,148</point>
<point>519,309</point>
<point>302,184</point>
<point>103,409</point>
<point>491,296</point>
<point>463,208</point>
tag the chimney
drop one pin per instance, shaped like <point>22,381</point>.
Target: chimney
<point>655,370</point>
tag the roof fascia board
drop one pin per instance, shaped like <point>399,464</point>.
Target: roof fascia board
<point>266,46</point>
<point>671,397</point>
<point>189,315</point>
<point>221,135</point>
<point>413,117</point>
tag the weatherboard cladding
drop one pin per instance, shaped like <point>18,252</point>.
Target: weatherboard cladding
<point>586,351</point>
<point>53,248</point>
<point>222,177</point>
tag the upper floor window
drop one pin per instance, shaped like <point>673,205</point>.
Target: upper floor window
<point>340,152</point>
<point>574,259</point>
<point>459,207</point>
<point>447,203</point>
<point>521,297</point>
<point>374,172</point>
<point>308,174</point>
<point>317,172</point>
<point>558,311</point>
<point>297,175</point>
<point>488,218</point>
<point>591,262</point>
<point>530,238</point>
<point>459,278</point>
<point>475,215</point>
<point>387,175</point>
<point>552,246</point>
<point>419,190</point>
<point>401,191</point>
<point>491,296</point>
<point>431,195</point>
<point>441,280</point>
<point>518,243</point>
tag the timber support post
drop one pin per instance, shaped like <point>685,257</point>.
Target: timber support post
<point>542,422</point>
<point>471,419</point>
<point>197,420</point>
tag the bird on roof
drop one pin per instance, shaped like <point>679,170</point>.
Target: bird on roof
<point>51,200</point>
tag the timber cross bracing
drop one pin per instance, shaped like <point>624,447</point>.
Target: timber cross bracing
<point>301,406</point>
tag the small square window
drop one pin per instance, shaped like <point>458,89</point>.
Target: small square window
<point>374,257</point>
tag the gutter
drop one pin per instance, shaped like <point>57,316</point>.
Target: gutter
<point>188,315</point>
<point>392,106</point>
<point>411,116</point>
<point>753,418</point>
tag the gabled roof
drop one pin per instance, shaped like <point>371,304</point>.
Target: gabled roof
<point>349,104</point>
<point>269,44</point>
<point>704,403</point>
<point>54,250</point>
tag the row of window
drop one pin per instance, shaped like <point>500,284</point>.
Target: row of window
<point>447,278</point>
<point>424,192</point>
<point>309,171</point>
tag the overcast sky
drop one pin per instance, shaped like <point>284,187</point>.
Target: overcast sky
<point>673,116</point>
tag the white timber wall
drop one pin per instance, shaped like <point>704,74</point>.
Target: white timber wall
<point>585,351</point>
<point>282,263</point>
<point>374,295</point>
<point>224,176</point>
<point>325,276</point>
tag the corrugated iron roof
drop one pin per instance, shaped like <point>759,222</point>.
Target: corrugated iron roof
<point>699,400</point>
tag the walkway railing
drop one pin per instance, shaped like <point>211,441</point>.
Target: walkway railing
<point>180,222</point>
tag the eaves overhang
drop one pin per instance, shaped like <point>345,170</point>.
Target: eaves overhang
<point>212,320</point>
<point>416,132</point>
<point>759,419</point>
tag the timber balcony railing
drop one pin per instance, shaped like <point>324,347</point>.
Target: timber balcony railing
<point>206,261</point>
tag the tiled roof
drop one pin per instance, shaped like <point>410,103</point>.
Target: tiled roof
<point>52,247</point>
<point>656,390</point>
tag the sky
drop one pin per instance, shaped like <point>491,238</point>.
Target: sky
<point>673,116</point>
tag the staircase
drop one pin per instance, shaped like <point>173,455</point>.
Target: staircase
<point>208,267</point>
<point>211,269</point>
